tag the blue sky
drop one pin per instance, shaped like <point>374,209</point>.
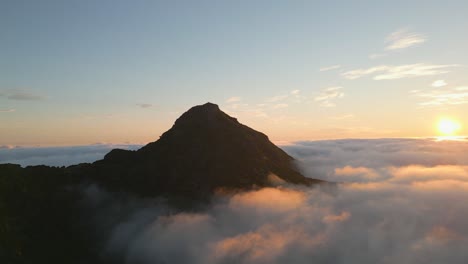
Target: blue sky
<point>82,72</point>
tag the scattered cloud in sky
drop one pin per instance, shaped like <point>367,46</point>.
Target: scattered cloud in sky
<point>375,56</point>
<point>145,105</point>
<point>329,68</point>
<point>400,201</point>
<point>439,83</point>
<point>403,39</point>
<point>384,72</point>
<point>400,40</point>
<point>444,96</point>
<point>233,99</point>
<point>21,95</point>
<point>295,92</point>
<point>268,109</point>
<point>343,117</point>
<point>328,95</point>
<point>276,98</point>
<point>7,110</point>
<point>278,106</point>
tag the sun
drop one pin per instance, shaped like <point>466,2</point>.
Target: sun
<point>448,127</point>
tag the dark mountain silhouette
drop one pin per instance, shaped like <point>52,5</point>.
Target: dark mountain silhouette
<point>204,150</point>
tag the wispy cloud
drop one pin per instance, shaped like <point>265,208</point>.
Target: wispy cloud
<point>375,56</point>
<point>343,117</point>
<point>398,72</point>
<point>278,106</point>
<point>277,98</point>
<point>403,39</point>
<point>356,74</point>
<point>25,96</point>
<point>399,40</point>
<point>329,68</point>
<point>233,99</point>
<point>7,110</point>
<point>266,109</point>
<point>328,95</point>
<point>145,105</point>
<point>443,97</point>
<point>295,92</point>
<point>21,95</point>
<point>439,83</point>
<point>237,105</point>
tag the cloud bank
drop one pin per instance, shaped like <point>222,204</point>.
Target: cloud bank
<point>400,201</point>
<point>57,156</point>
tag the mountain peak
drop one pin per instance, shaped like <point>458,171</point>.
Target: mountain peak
<point>208,105</point>
<point>207,108</point>
<point>205,149</point>
<point>203,115</point>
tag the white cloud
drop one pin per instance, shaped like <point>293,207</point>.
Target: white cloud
<point>403,39</point>
<point>327,96</point>
<point>439,83</point>
<point>356,74</point>
<point>278,106</point>
<point>441,97</point>
<point>295,92</point>
<point>238,106</point>
<point>277,98</point>
<point>7,110</point>
<point>343,117</point>
<point>329,68</point>
<point>375,56</point>
<point>398,72</point>
<point>233,99</point>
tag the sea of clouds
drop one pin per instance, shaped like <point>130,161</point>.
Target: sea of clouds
<point>57,156</point>
<point>398,201</point>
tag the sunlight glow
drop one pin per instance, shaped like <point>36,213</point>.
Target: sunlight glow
<point>448,127</point>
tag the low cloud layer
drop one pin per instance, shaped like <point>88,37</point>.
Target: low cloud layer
<point>400,201</point>
<point>57,156</point>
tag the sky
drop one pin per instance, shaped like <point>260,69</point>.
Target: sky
<point>121,72</point>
